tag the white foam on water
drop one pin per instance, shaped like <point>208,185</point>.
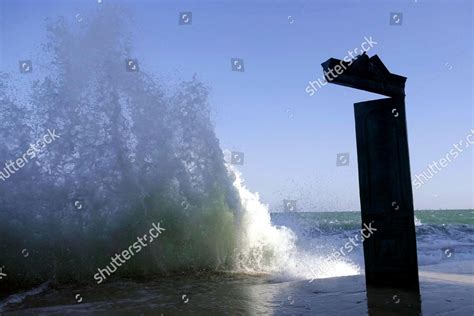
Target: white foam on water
<point>417,221</point>
<point>265,248</point>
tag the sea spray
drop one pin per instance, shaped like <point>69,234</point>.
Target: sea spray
<point>266,248</point>
<point>132,151</point>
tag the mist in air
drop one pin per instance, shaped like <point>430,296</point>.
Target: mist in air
<point>131,150</point>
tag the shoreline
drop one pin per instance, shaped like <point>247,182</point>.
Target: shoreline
<point>440,292</point>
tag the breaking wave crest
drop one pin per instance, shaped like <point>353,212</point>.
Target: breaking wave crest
<point>266,248</point>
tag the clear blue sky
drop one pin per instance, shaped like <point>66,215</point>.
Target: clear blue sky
<point>290,139</point>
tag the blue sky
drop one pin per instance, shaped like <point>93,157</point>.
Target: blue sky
<point>291,139</point>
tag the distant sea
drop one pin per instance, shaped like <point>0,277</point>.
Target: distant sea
<point>442,235</point>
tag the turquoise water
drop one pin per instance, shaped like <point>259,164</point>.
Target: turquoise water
<point>437,232</point>
<point>446,216</point>
<point>350,220</point>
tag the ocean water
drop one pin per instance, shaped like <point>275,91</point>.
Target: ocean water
<point>442,235</point>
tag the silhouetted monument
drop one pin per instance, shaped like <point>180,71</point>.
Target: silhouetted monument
<point>384,171</point>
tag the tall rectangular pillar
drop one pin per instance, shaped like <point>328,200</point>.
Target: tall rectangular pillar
<point>386,193</point>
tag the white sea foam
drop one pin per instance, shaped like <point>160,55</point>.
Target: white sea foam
<point>417,221</point>
<point>265,248</point>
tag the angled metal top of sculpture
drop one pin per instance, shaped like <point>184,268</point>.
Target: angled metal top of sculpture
<point>364,73</point>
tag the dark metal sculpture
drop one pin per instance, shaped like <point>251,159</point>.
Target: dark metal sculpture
<point>384,171</point>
